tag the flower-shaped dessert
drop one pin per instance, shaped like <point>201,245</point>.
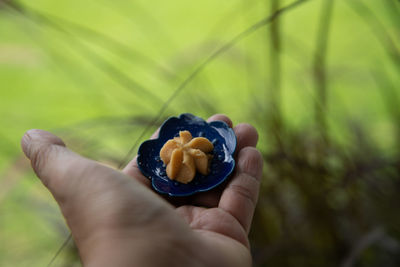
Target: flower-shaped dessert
<point>209,171</point>
<point>184,155</point>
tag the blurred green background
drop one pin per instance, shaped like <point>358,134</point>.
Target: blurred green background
<point>320,81</point>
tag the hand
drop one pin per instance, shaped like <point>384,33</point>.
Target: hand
<point>117,220</point>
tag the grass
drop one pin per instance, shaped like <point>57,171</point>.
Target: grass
<point>320,83</point>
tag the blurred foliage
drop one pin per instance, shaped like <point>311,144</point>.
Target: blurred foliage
<point>320,83</point>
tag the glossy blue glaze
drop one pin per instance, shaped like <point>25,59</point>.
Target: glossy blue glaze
<point>222,163</point>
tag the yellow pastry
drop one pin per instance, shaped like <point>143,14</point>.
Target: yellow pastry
<point>184,155</point>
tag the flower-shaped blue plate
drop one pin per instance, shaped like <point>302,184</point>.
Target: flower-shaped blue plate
<point>221,166</point>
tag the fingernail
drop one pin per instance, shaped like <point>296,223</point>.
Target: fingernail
<point>27,140</point>
<point>25,143</point>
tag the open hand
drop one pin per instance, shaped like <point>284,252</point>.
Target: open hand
<point>116,219</point>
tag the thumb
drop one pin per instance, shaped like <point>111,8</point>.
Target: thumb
<point>59,169</point>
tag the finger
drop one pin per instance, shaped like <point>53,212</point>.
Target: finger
<point>214,221</point>
<point>220,117</point>
<point>132,168</point>
<point>246,136</point>
<point>240,195</point>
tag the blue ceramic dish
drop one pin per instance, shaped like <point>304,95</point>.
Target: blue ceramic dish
<point>221,166</point>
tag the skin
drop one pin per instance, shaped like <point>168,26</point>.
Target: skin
<point>116,219</point>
